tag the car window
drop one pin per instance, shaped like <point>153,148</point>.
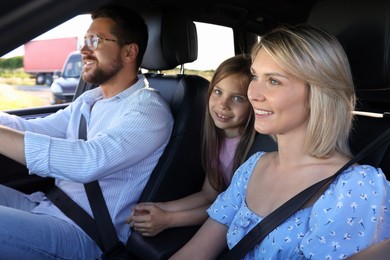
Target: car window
<point>215,44</point>
<point>28,72</point>
<point>73,67</point>
<point>53,83</point>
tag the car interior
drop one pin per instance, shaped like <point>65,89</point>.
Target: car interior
<point>179,172</point>
<point>362,27</point>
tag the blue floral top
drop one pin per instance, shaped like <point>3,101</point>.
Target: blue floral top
<point>349,216</point>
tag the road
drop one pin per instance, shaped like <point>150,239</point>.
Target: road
<point>40,91</point>
<point>34,88</point>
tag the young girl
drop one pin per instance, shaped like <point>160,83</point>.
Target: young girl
<point>302,93</point>
<point>227,137</point>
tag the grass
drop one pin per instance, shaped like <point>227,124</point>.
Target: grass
<point>15,77</point>
<point>11,98</point>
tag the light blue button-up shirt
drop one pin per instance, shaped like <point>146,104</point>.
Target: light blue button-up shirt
<point>126,136</point>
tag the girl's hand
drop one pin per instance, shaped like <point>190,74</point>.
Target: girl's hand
<point>148,219</point>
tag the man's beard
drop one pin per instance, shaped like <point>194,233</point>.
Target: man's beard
<point>101,75</point>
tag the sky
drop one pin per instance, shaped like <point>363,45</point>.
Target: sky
<point>215,43</point>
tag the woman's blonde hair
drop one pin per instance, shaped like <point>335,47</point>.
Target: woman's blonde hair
<point>317,57</point>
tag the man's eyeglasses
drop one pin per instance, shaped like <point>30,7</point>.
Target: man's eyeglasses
<point>92,41</point>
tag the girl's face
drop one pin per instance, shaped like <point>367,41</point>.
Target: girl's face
<point>229,106</point>
<point>279,99</point>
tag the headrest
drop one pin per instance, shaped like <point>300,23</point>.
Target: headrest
<point>363,28</point>
<point>172,39</point>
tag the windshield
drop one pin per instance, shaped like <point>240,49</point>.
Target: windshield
<point>73,67</point>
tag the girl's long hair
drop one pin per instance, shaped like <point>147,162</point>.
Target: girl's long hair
<point>213,136</point>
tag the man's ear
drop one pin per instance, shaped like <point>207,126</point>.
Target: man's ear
<point>130,52</point>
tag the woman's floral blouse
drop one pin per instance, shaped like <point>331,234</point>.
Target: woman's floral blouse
<point>349,216</point>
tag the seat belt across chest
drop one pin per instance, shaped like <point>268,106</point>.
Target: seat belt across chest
<point>100,228</point>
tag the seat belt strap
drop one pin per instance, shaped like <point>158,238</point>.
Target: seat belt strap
<point>76,213</point>
<point>113,248</point>
<point>100,228</point>
<point>102,216</point>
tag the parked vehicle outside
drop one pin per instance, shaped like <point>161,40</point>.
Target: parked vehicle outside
<point>65,84</point>
<point>43,58</point>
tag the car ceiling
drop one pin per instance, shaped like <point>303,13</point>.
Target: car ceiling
<point>23,20</point>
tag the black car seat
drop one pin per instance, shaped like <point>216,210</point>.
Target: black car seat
<point>173,42</point>
<point>363,29</point>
